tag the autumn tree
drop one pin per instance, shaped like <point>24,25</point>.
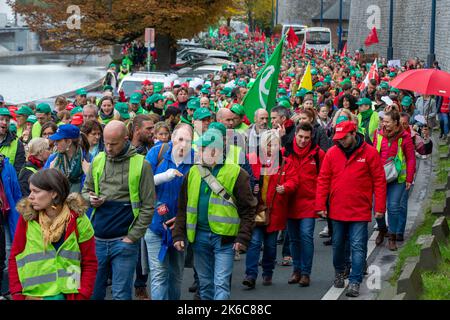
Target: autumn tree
<point>259,12</point>
<point>109,22</point>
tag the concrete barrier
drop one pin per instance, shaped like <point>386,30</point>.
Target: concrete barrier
<point>410,281</point>
<point>441,187</point>
<point>430,255</point>
<point>440,230</point>
<point>438,209</point>
<point>443,156</point>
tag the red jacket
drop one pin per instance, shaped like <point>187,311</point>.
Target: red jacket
<point>391,151</point>
<point>279,205</point>
<point>302,203</point>
<point>87,250</point>
<point>351,184</point>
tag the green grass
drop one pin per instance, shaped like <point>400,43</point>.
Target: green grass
<point>436,284</point>
<point>443,149</point>
<point>441,171</point>
<point>438,197</point>
<point>411,249</point>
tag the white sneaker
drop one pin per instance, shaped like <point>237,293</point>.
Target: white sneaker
<point>324,233</point>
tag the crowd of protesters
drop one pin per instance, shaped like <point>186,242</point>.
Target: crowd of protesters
<point>124,189</point>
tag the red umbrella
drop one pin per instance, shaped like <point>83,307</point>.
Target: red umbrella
<point>424,81</point>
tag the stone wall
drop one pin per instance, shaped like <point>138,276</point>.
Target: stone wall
<point>300,11</point>
<point>411,29</point>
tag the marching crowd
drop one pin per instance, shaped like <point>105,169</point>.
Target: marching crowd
<point>117,190</point>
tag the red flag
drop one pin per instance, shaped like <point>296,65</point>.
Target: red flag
<point>223,31</point>
<point>272,38</point>
<point>257,30</point>
<point>344,51</point>
<point>246,31</point>
<point>373,74</point>
<point>325,54</point>
<point>263,37</point>
<point>303,50</point>
<point>372,38</point>
<point>292,38</point>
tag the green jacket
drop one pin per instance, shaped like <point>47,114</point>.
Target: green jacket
<point>114,186</point>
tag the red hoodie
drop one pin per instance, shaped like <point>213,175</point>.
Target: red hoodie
<point>351,184</point>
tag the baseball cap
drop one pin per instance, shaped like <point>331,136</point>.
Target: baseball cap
<point>193,104</point>
<point>122,107</point>
<point>43,108</point>
<point>406,101</point>
<point>76,110</point>
<point>81,92</point>
<point>154,98</point>
<point>146,82</point>
<point>5,112</point>
<point>238,109</point>
<point>284,103</point>
<point>364,101</point>
<point>384,85</point>
<point>218,126</point>
<point>211,138</point>
<point>135,98</point>
<point>65,131</point>
<point>77,119</point>
<point>32,119</point>
<point>25,111</point>
<point>343,128</point>
<point>202,113</point>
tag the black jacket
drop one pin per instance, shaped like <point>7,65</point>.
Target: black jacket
<point>20,154</point>
<point>24,178</point>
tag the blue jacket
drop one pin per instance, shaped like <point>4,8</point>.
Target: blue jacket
<point>167,192</point>
<point>13,194</point>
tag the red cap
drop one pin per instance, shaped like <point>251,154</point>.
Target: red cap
<point>146,82</point>
<point>287,80</point>
<point>77,119</point>
<point>343,128</point>
<point>69,107</point>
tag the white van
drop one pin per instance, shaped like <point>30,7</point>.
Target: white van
<point>299,30</point>
<point>133,81</point>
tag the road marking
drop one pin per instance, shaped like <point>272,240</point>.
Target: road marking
<point>334,293</point>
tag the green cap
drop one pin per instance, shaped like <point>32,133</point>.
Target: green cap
<point>282,91</point>
<point>81,92</point>
<point>43,108</point>
<point>392,74</point>
<point>291,74</point>
<point>211,138</point>
<point>283,98</point>
<point>407,101</point>
<point>202,113</point>
<point>25,111</point>
<point>284,103</point>
<point>364,101</point>
<point>218,126</point>
<point>395,90</point>
<point>250,84</point>
<point>309,92</point>
<point>5,112</point>
<point>204,91</point>
<point>242,84</point>
<point>238,109</point>
<point>32,119</point>
<point>206,86</point>
<point>122,107</point>
<point>108,88</point>
<point>12,127</point>
<point>193,104</point>
<point>301,92</point>
<point>157,87</point>
<point>327,79</point>
<point>346,80</point>
<point>76,110</point>
<point>313,72</point>
<point>136,98</point>
<point>224,66</point>
<point>154,98</point>
<point>384,85</point>
<point>318,84</point>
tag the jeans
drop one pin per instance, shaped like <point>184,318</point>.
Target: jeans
<point>357,238</point>
<point>301,234</point>
<point>260,236</point>
<point>121,259</point>
<point>286,249</point>
<point>397,208</point>
<point>214,264</point>
<point>443,121</point>
<point>166,276</point>
<point>141,279</point>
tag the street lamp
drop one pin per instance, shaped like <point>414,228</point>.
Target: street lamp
<point>390,50</point>
<point>431,55</point>
<point>340,26</point>
<point>321,13</point>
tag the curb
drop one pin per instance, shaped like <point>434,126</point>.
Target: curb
<point>440,230</point>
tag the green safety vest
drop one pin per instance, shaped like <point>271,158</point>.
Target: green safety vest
<point>45,272</point>
<point>400,156</point>
<point>36,130</point>
<point>10,151</point>
<point>19,132</point>
<point>34,170</point>
<point>134,178</point>
<point>223,217</point>
<point>242,128</point>
<point>233,155</point>
<point>373,125</point>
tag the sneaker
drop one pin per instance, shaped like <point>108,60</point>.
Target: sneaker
<point>347,271</point>
<point>193,288</point>
<point>352,290</point>
<point>339,281</point>
<point>324,233</point>
<point>141,293</point>
<point>267,281</point>
<point>249,282</point>
<point>237,256</point>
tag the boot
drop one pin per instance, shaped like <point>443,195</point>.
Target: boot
<point>380,238</point>
<point>392,245</point>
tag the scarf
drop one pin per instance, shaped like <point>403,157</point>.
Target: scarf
<point>106,117</point>
<point>301,152</point>
<point>35,161</point>
<point>366,114</point>
<point>72,168</point>
<point>52,230</point>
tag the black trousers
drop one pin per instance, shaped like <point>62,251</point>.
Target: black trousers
<point>2,250</point>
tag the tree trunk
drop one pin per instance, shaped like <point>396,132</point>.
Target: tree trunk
<point>166,52</point>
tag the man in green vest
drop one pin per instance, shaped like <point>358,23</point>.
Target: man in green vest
<point>10,145</point>
<point>217,224</point>
<point>239,113</point>
<point>135,105</point>
<point>120,188</point>
<point>80,97</point>
<point>43,115</point>
<point>368,119</point>
<point>21,117</point>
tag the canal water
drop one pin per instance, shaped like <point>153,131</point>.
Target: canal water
<point>24,79</point>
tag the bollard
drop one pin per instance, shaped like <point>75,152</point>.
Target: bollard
<point>410,281</point>
<point>430,255</point>
<point>440,230</point>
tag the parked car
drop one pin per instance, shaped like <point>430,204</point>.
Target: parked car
<point>133,81</point>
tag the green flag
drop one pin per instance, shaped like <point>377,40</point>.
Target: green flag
<point>263,92</point>
<point>213,33</point>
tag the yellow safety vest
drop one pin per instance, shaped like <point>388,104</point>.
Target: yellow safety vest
<point>10,151</point>
<point>223,217</point>
<point>36,130</point>
<point>45,272</point>
<point>401,157</point>
<point>134,178</point>
<point>373,125</point>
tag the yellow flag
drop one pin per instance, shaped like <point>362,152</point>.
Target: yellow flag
<point>307,79</point>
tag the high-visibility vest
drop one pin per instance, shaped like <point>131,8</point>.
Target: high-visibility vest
<point>223,217</point>
<point>36,130</point>
<point>45,272</point>
<point>10,151</point>
<point>373,125</point>
<point>242,128</point>
<point>233,154</point>
<point>401,157</point>
<point>34,170</point>
<point>134,178</point>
